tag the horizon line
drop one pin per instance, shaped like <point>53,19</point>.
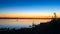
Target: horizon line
<point>26,18</point>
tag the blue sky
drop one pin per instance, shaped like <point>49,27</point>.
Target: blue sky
<point>33,7</point>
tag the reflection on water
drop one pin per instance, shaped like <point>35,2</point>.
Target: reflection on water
<point>18,23</point>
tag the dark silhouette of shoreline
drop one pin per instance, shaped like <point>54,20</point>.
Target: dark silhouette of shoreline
<point>52,27</point>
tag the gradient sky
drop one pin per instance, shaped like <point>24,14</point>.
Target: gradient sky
<point>29,8</point>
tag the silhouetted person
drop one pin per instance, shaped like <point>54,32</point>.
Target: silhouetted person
<point>55,15</point>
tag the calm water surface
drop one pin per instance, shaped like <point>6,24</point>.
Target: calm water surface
<point>20,23</point>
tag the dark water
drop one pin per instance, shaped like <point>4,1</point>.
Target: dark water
<point>20,23</point>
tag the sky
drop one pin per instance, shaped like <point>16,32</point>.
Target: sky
<point>29,8</point>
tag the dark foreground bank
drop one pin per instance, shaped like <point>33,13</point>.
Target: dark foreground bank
<point>52,27</point>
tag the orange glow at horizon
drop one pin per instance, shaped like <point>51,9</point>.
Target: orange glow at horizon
<point>28,16</point>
